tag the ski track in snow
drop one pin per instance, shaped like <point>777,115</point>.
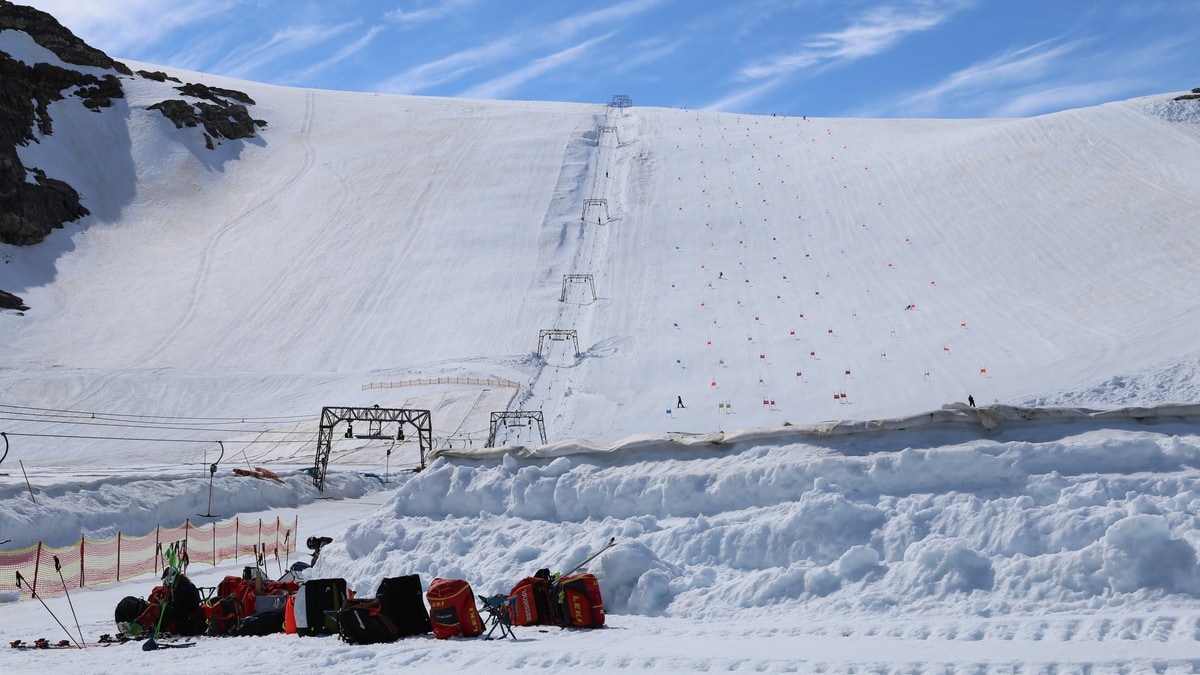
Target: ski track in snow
<point>204,268</point>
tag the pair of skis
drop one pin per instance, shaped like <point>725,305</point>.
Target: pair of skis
<point>105,640</point>
<point>43,643</point>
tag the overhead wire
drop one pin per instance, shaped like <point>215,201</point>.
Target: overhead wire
<point>129,438</point>
<point>243,420</point>
<point>147,426</point>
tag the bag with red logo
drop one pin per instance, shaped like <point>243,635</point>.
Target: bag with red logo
<point>452,609</point>
<point>530,601</point>
<point>579,597</point>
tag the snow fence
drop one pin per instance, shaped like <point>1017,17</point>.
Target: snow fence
<point>89,562</point>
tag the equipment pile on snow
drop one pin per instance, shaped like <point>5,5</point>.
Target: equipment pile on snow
<point>254,605</point>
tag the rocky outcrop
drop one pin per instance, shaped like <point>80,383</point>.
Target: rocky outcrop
<point>31,203</point>
<point>217,95</point>
<point>157,76</point>
<point>10,301</point>
<point>1189,97</point>
<point>49,33</point>
<point>222,118</point>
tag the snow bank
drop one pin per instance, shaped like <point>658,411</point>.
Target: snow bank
<point>135,504</point>
<point>1086,519</point>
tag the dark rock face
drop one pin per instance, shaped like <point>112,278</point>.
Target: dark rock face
<point>31,204</point>
<point>215,94</point>
<point>49,33</point>
<point>157,76</point>
<point>10,301</point>
<point>222,118</point>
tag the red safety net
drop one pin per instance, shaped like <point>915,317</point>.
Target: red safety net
<point>91,562</point>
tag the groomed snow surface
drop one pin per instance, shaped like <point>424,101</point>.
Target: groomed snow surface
<point>754,267</point>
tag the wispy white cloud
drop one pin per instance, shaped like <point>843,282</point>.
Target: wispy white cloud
<point>565,29</point>
<point>449,67</point>
<point>645,52</point>
<point>1021,65</point>
<point>280,47</point>
<point>340,55</point>
<point>509,47</point>
<point>744,97</point>
<point>133,27</point>
<point>1041,100</point>
<point>427,14</point>
<point>873,33</point>
<point>499,87</point>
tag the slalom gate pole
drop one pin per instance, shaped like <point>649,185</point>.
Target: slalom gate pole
<point>58,568</point>
<point>21,580</point>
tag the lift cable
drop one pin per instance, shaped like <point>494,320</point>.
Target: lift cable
<point>152,426</point>
<point>131,438</point>
<point>291,418</point>
<point>46,416</point>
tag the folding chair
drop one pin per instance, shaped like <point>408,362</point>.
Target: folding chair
<point>496,610</point>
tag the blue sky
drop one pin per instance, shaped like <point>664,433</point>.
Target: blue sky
<point>843,58</point>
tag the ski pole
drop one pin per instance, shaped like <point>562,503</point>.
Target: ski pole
<point>21,580</point>
<point>151,644</point>
<point>611,542</point>
<point>58,568</point>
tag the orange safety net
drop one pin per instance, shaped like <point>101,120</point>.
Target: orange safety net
<point>90,562</point>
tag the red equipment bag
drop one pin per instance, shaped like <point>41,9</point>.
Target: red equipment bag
<point>582,606</point>
<point>223,615</point>
<point>452,609</point>
<point>240,591</point>
<point>530,604</point>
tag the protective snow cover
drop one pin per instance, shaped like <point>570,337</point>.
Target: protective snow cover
<point>952,415</point>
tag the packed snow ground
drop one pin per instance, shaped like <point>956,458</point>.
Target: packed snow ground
<point>736,260</point>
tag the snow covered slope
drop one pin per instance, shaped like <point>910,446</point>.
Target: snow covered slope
<point>737,260</point>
